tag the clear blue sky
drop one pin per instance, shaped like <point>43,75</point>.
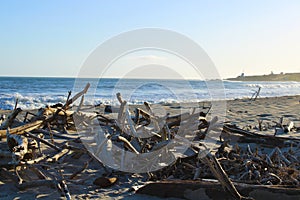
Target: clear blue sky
<point>53,38</point>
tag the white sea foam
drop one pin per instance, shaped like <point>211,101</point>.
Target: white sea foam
<point>7,102</point>
<point>275,85</point>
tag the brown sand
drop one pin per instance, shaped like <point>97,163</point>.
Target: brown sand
<point>241,112</point>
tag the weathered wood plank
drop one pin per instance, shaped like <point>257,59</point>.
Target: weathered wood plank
<point>194,190</point>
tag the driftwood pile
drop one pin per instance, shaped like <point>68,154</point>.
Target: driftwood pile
<point>37,161</point>
<point>255,162</point>
<point>243,159</point>
<point>252,159</point>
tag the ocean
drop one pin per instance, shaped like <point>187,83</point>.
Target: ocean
<point>33,92</point>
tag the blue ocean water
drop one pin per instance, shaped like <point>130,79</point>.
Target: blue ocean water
<point>33,92</point>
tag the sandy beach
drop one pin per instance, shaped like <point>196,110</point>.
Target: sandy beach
<point>243,113</point>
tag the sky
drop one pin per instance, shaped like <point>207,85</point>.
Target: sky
<point>54,38</point>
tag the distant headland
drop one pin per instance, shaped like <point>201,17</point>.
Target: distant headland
<point>269,77</point>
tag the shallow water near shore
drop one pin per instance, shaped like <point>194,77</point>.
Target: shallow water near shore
<point>35,92</point>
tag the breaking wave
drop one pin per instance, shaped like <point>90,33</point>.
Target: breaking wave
<point>35,93</point>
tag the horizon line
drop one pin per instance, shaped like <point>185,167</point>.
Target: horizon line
<point>74,77</point>
<point>187,78</point>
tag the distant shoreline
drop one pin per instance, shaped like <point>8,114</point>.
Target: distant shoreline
<point>269,77</point>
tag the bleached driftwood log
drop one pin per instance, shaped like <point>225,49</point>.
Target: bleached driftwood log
<point>128,144</point>
<point>21,129</point>
<point>43,141</point>
<point>221,175</point>
<point>57,156</point>
<point>9,120</point>
<point>79,94</point>
<point>18,145</point>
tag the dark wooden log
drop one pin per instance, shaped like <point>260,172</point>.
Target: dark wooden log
<point>37,183</point>
<point>233,129</point>
<point>177,119</point>
<point>136,116</point>
<point>108,109</point>
<point>212,189</point>
<point>255,94</point>
<point>148,108</point>
<point>54,134</point>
